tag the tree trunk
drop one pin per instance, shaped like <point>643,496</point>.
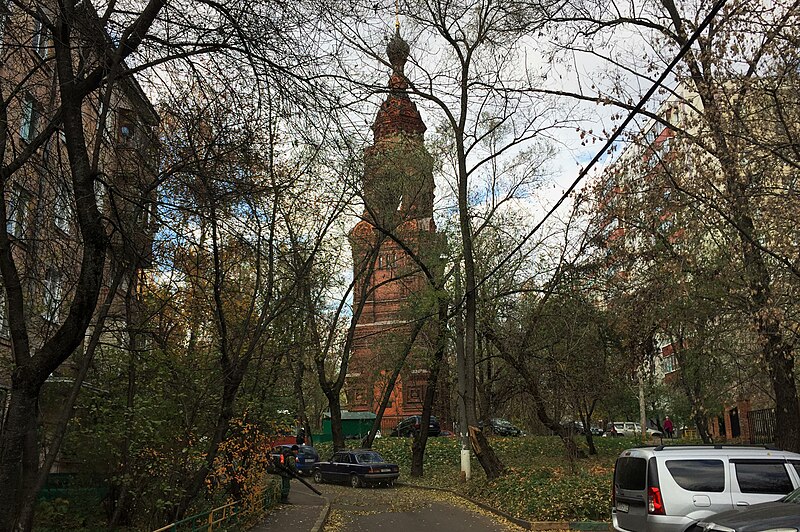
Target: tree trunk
<point>461,371</point>
<point>586,419</point>
<point>197,479</point>
<point>485,454</point>
<point>421,440</point>
<point>778,354</point>
<point>19,426</point>
<point>336,420</point>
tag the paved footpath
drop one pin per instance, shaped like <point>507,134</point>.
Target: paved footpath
<point>402,508</point>
<point>306,512</point>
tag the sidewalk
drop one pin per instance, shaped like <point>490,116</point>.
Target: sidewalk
<point>307,512</point>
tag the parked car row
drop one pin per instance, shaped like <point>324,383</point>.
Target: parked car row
<point>682,488</point>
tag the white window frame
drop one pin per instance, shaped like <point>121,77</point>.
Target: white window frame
<point>62,208</point>
<point>100,194</point>
<point>17,211</point>
<point>30,118</point>
<point>40,39</point>
<point>126,127</point>
<point>53,291</point>
<point>3,318</point>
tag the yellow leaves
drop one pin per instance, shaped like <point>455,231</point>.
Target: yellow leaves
<point>241,460</point>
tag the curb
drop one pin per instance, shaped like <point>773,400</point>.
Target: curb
<point>528,525</point>
<point>323,516</point>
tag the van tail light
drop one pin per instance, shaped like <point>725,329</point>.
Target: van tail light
<point>655,501</point>
<point>614,486</point>
<point>655,504</point>
<point>283,459</point>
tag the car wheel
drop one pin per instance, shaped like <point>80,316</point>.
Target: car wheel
<point>318,477</point>
<point>390,484</point>
<point>355,481</point>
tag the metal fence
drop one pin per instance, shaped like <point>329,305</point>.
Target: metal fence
<point>762,425</point>
<point>233,516</point>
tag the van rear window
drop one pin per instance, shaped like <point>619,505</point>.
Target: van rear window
<point>698,475</point>
<point>763,478</point>
<point>631,473</point>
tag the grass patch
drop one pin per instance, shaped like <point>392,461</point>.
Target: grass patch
<point>540,485</point>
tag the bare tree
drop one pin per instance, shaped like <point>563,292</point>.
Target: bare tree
<point>726,117</point>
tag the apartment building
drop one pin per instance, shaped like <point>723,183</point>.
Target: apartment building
<point>44,242</point>
<point>659,215</point>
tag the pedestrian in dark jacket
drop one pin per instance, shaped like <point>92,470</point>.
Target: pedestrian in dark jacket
<point>288,470</point>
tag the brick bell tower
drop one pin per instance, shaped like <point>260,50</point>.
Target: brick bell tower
<point>398,191</point>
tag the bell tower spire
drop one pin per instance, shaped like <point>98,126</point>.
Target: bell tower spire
<point>398,114</point>
<point>398,194</point>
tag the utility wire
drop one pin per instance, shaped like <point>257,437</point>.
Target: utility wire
<point>631,115</point>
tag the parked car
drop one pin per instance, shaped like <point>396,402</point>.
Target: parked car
<point>502,427</point>
<point>629,428</point>
<point>576,427</point>
<point>783,514</point>
<point>410,426</point>
<point>359,468</point>
<point>306,458</point>
<point>671,488</point>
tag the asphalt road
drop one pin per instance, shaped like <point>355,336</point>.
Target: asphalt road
<point>402,508</point>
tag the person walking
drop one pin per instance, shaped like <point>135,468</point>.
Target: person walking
<point>288,470</point>
<point>668,427</point>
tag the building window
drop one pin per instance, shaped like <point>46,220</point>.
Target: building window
<point>40,39</point>
<point>30,118</point>
<point>3,322</point>
<point>670,364</point>
<point>18,209</point>
<point>62,209</point>
<point>100,194</point>
<point>53,289</point>
<point>126,128</point>
<point>415,394</point>
<point>3,401</point>
<point>360,397</point>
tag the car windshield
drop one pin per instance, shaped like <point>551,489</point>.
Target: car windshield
<point>502,422</point>
<point>369,457</point>
<point>793,497</point>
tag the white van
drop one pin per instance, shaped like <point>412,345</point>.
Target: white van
<point>671,488</point>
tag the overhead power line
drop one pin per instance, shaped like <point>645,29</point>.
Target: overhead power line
<point>631,115</point>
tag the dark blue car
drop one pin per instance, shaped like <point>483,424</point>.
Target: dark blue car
<point>307,458</point>
<point>359,468</point>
